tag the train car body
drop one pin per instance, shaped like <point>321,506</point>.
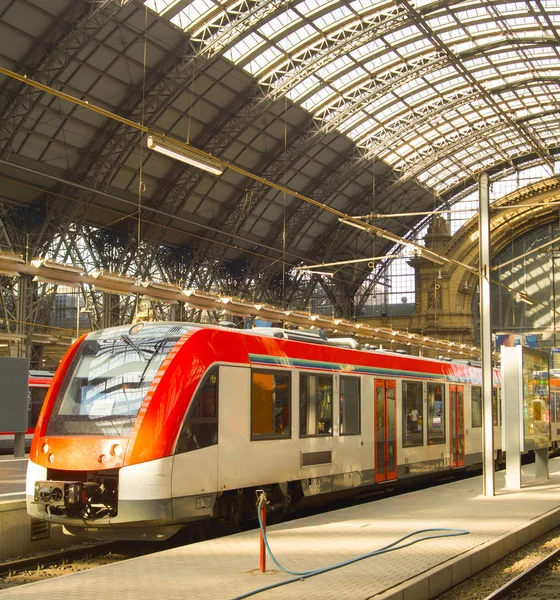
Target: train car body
<point>150,427</point>
<point>39,382</point>
<point>555,410</point>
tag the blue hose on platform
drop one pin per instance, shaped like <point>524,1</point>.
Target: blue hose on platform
<point>396,545</point>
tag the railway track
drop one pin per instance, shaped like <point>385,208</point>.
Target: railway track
<point>518,575</point>
<point>89,555</point>
<point>539,581</point>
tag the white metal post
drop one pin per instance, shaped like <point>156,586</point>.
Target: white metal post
<point>486,336</point>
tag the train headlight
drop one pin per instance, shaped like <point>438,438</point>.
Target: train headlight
<point>51,457</point>
<point>116,450</point>
<point>102,459</point>
<point>45,448</point>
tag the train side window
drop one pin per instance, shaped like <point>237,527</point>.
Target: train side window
<point>349,406</point>
<point>495,406</point>
<point>37,398</point>
<point>271,400</point>
<point>436,413</point>
<point>555,409</point>
<point>200,428</point>
<point>316,405</point>
<point>413,413</point>
<point>476,406</point>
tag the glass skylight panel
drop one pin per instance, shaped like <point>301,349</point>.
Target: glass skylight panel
<point>245,46</point>
<point>263,60</point>
<point>473,14</point>
<point>304,87</point>
<point>303,34</point>
<point>326,22</point>
<point>365,50</point>
<point>335,66</point>
<point>421,95</point>
<point>160,6</point>
<point>361,128</point>
<point>317,98</point>
<point>441,21</point>
<point>406,33</point>
<point>347,124</point>
<point>273,28</point>
<point>310,6</point>
<point>349,77</point>
<point>187,18</point>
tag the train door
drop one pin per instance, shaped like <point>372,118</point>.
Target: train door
<point>457,437</point>
<point>385,430</point>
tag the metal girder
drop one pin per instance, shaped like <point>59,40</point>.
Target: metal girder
<point>327,47</point>
<point>523,131</point>
<point>238,18</point>
<point>47,61</point>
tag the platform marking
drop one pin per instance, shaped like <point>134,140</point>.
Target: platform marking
<point>12,494</point>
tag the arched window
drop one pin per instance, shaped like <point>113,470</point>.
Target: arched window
<point>200,428</point>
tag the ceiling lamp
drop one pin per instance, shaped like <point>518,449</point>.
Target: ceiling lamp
<point>521,297</point>
<point>179,151</point>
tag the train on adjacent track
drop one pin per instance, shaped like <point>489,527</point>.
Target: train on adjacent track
<point>39,382</point>
<point>150,427</point>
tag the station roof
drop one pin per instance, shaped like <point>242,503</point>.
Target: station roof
<point>365,106</point>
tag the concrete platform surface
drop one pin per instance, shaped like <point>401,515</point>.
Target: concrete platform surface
<point>12,478</point>
<point>229,567</point>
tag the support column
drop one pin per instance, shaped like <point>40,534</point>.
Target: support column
<point>486,336</point>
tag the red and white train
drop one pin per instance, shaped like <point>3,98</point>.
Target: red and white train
<point>39,382</point>
<point>150,427</point>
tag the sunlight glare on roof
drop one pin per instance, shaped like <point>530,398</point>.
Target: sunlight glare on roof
<point>317,98</point>
<point>244,46</point>
<point>189,16</point>
<point>273,28</point>
<point>299,35</point>
<point>160,6</point>
<point>336,16</point>
<point>333,67</point>
<point>262,60</point>
<point>304,87</point>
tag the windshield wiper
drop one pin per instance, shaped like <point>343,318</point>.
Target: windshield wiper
<point>157,348</point>
<point>127,340</point>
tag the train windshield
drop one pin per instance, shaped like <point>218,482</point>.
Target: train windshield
<point>106,384</point>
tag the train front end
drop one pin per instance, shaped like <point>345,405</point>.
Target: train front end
<point>100,461</point>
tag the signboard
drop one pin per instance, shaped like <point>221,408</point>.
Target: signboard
<point>526,393</point>
<point>14,397</point>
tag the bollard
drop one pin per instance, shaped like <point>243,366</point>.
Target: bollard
<point>261,506</point>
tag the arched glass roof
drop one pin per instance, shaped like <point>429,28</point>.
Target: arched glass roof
<point>440,91</point>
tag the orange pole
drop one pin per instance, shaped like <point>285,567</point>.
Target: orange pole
<point>261,539</point>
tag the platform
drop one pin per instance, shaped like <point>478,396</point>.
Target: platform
<point>227,567</point>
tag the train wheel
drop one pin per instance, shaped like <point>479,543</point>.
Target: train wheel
<point>235,514</point>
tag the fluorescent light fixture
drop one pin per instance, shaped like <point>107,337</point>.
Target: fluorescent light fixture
<point>51,264</point>
<point>311,272</point>
<point>521,297</point>
<point>354,224</point>
<point>178,151</point>
<point>103,275</point>
<point>11,257</point>
<point>107,288</point>
<point>54,281</point>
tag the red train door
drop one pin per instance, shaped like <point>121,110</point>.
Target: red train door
<point>385,430</point>
<point>457,437</point>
